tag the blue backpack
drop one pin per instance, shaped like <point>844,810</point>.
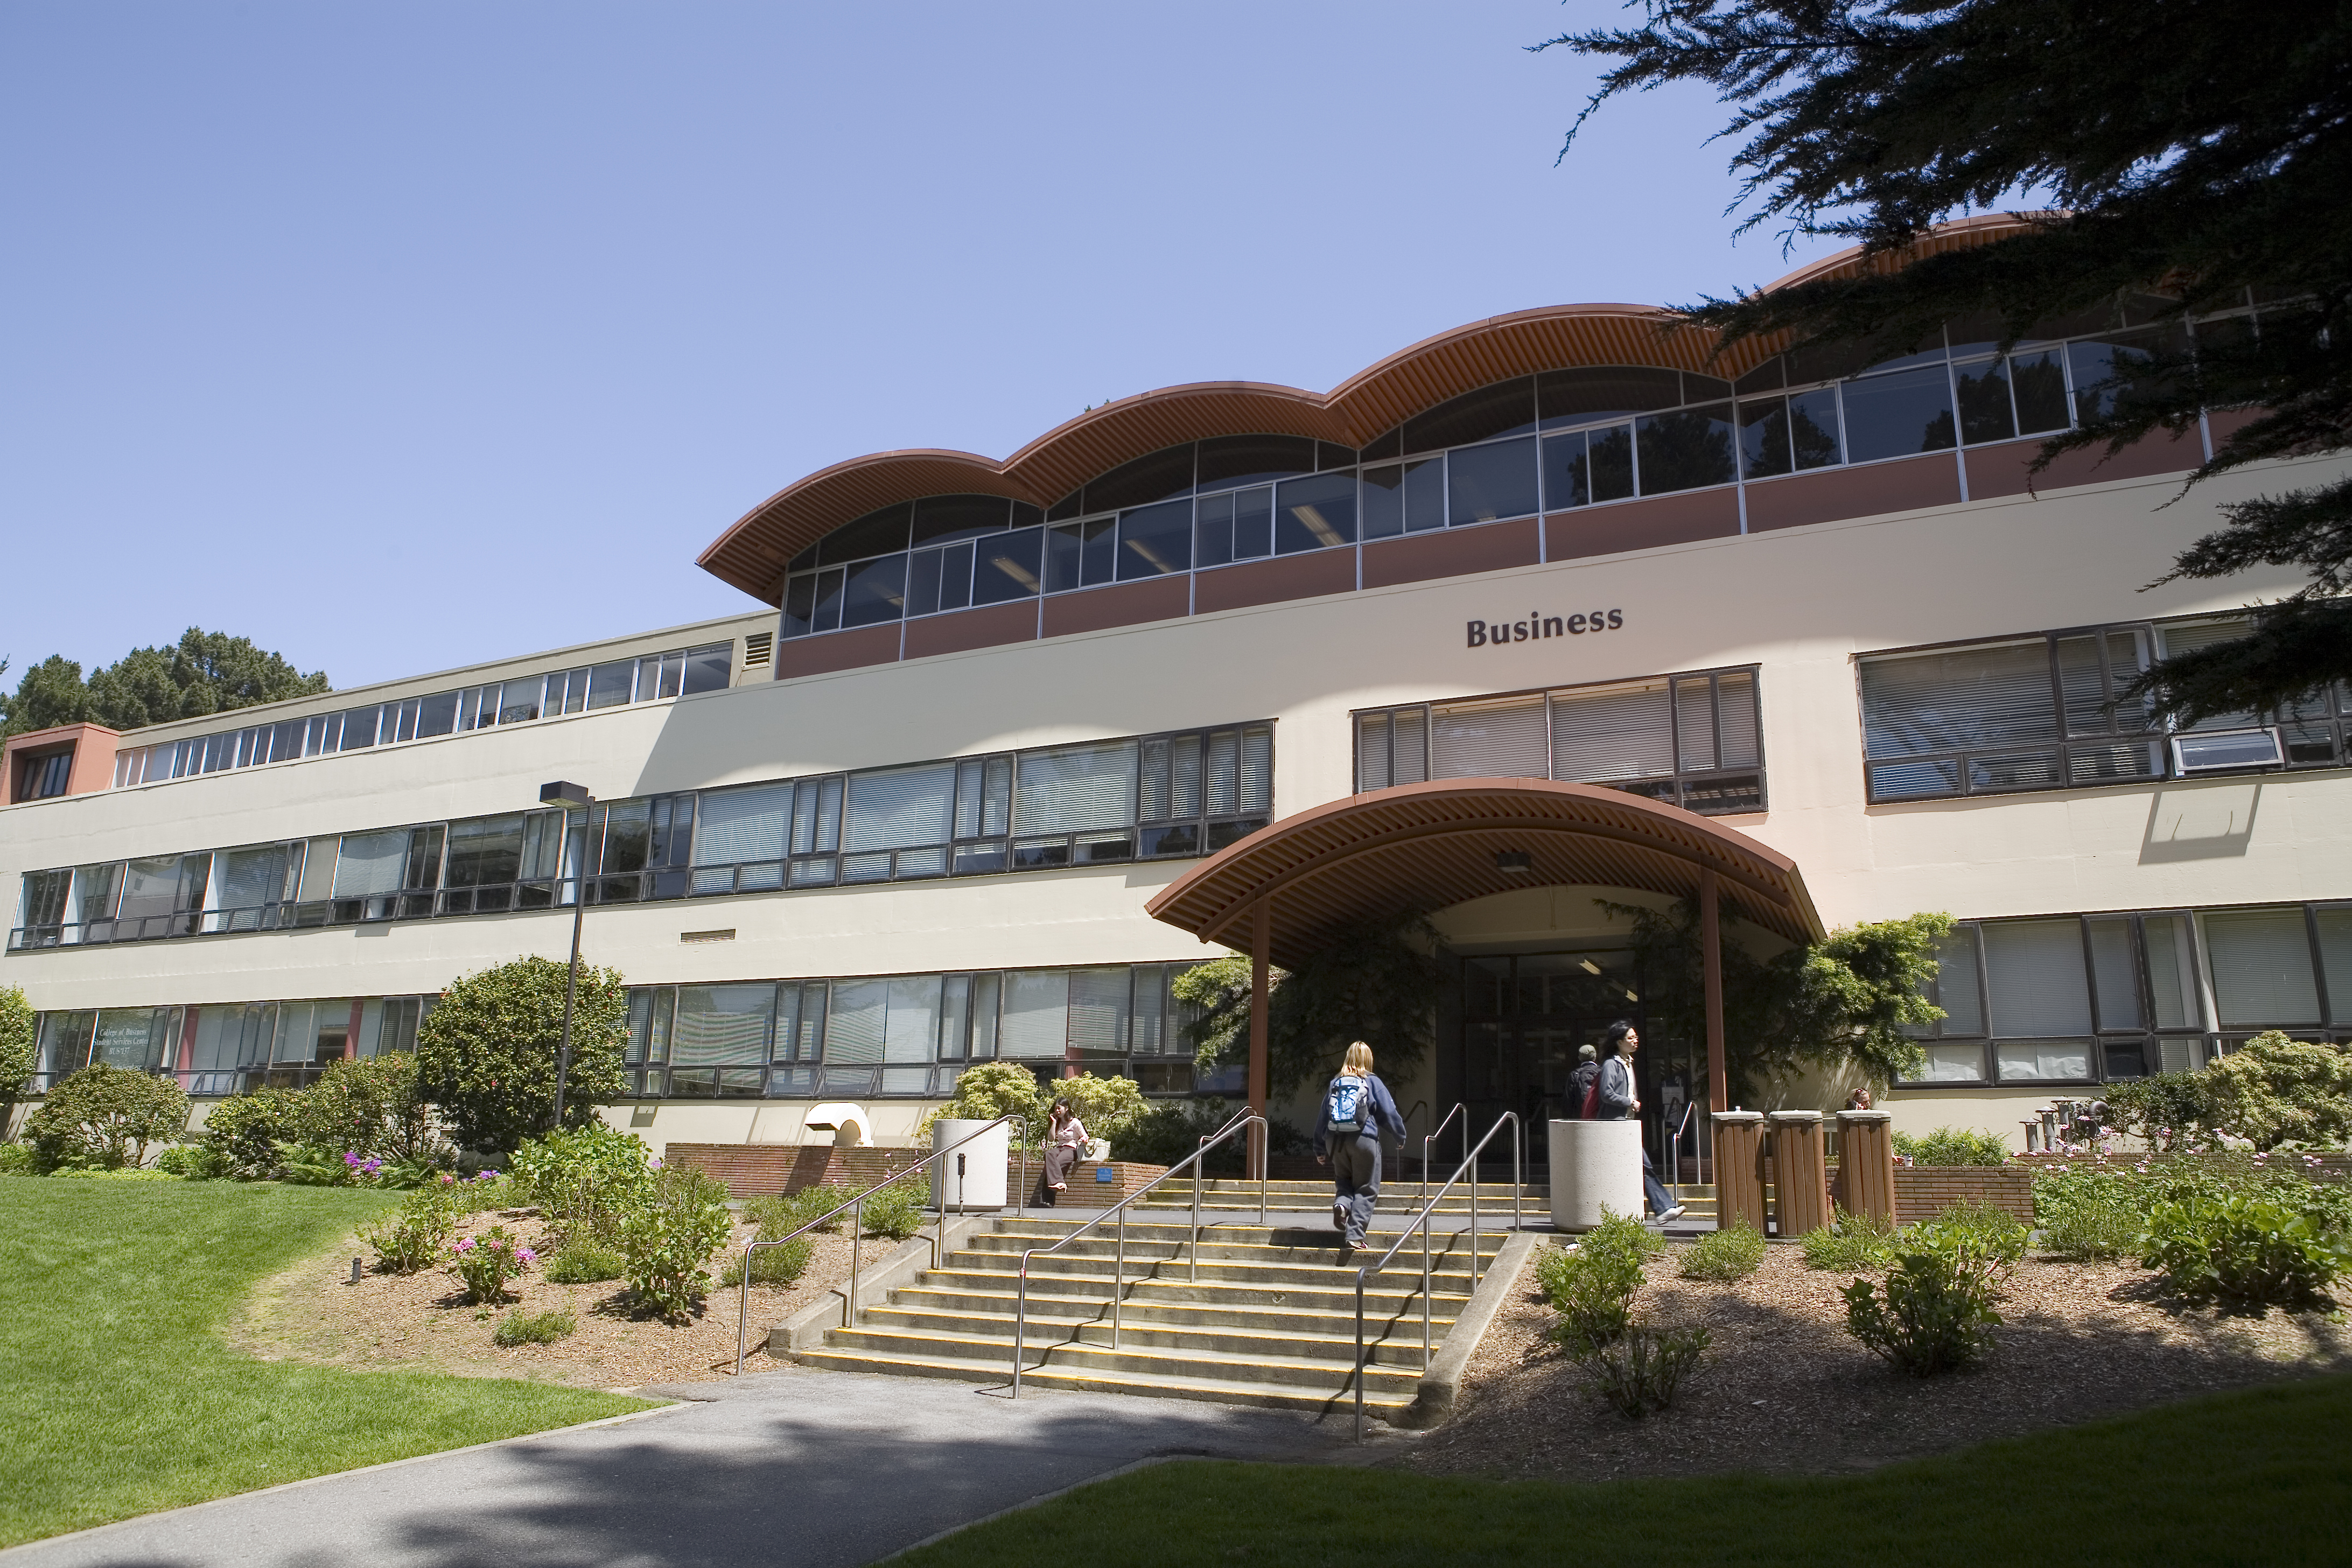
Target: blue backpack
<point>1348,1107</point>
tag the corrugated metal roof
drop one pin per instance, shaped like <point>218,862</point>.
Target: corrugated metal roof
<point>1418,849</point>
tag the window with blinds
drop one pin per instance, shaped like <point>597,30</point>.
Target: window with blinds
<point>2055,711</point>
<point>1693,741</point>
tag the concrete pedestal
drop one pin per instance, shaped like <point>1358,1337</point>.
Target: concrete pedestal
<point>1739,1169</point>
<point>1801,1186</point>
<point>1594,1165</point>
<point>973,1177</point>
<point>1866,1163</point>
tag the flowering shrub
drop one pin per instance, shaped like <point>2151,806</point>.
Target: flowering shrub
<point>485,1262</point>
<point>412,1236</point>
<point>584,1180</point>
<point>669,1235</point>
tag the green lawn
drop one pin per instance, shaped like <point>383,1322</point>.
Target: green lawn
<point>118,1396</point>
<point>2255,1477</point>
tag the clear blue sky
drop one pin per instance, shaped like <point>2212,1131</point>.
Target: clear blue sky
<point>397,336</point>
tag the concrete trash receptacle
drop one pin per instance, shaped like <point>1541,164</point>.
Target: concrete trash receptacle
<point>1594,1165</point>
<point>973,1177</point>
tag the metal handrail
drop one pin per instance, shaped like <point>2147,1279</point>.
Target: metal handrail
<point>857,1228</point>
<point>1240,1122</point>
<point>1674,1150</point>
<point>1459,1110</point>
<point>1421,1224</point>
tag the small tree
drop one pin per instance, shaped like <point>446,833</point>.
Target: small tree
<point>19,1042</point>
<point>2275,1090</point>
<point>990,1089</point>
<point>105,1116</point>
<point>1379,983</point>
<point>487,1054</point>
<point>246,1133</point>
<point>2172,1110</point>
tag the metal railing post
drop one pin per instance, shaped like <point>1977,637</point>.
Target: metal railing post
<point>1117,1277</point>
<point>1424,1292</point>
<point>857,1241</point>
<point>1021,1325</point>
<point>1193,1240</point>
<point>1359,1356</point>
<point>1474,1226</point>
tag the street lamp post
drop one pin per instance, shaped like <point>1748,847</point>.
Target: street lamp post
<point>570,797</point>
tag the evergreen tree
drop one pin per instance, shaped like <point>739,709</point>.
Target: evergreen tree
<point>205,672</point>
<point>2192,151</point>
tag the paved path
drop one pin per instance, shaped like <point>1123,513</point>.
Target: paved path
<point>795,1468</point>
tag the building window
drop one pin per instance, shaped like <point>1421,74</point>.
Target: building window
<point>2105,997</point>
<point>906,1035</point>
<point>1153,797</point>
<point>1693,741</point>
<point>2049,712</point>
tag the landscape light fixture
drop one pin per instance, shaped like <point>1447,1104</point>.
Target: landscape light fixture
<point>1514,860</point>
<point>568,796</point>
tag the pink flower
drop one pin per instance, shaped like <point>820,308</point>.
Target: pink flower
<point>526,1254</point>
<point>466,1246</point>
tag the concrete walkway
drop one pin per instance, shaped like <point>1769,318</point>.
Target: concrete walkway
<point>793,1469</point>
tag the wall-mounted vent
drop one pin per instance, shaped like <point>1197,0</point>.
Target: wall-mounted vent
<point>757,648</point>
<point>727,935</point>
<point>2231,750</point>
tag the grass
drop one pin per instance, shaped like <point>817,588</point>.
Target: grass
<point>2255,1476</point>
<point>122,1396</point>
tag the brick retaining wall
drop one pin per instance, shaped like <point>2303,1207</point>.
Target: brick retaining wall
<point>1922,1192</point>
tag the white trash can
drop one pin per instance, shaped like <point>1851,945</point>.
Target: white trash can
<point>972,1177</point>
<point>1594,1165</point>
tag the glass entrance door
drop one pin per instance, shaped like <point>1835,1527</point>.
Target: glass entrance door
<point>1525,1017</point>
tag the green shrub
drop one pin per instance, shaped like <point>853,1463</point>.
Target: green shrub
<point>246,1133</point>
<point>2169,1110</point>
<point>1592,1290</point>
<point>18,1160</point>
<point>519,1328</point>
<point>1724,1255</point>
<point>485,1262</point>
<point>669,1235</point>
<point>1953,1146</point>
<point>482,1192</point>
<point>781,1263</point>
<point>372,1107</point>
<point>1990,1239</point>
<point>2245,1254</point>
<point>1621,1233</point>
<point>2089,1215</point>
<point>585,1263</point>
<point>583,1179</point>
<point>897,1210</point>
<point>412,1236</point>
<point>487,1054</point>
<point>1642,1369</point>
<point>2273,1090</point>
<point>1934,1315</point>
<point>19,1048</point>
<point>1854,1243</point>
<point>197,1161</point>
<point>778,1214</point>
<point>105,1116</point>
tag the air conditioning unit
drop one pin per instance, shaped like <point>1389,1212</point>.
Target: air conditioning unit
<point>2226,751</point>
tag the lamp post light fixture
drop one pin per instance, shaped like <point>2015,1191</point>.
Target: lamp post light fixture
<point>570,797</point>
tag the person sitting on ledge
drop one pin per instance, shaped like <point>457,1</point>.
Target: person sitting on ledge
<point>1066,1139</point>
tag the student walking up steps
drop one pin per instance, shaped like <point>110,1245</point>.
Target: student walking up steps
<point>1357,1108</point>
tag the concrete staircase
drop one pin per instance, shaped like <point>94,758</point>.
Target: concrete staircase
<point>1259,1315</point>
<point>1225,1196</point>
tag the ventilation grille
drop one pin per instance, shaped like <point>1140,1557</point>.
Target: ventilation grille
<point>757,648</point>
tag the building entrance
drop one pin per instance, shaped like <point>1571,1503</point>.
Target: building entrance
<point>1525,1017</point>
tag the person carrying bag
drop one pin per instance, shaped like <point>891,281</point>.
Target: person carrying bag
<point>1357,1108</point>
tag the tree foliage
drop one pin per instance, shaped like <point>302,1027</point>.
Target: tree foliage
<point>1843,1002</point>
<point>204,672</point>
<point>1379,983</point>
<point>374,1108</point>
<point>2273,1090</point>
<point>2191,158</point>
<point>105,1116</point>
<point>19,1045</point>
<point>487,1054</point>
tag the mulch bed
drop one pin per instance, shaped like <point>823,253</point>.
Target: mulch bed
<point>423,1322</point>
<point>1786,1388</point>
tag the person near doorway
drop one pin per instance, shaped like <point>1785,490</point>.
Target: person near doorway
<point>1357,1108</point>
<point>1859,1100</point>
<point>1580,1082</point>
<point>1614,1099</point>
<point>1066,1139</point>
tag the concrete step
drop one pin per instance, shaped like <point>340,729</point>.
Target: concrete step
<point>1150,1385</point>
<point>1064,1354</point>
<point>1225,1243</point>
<point>1209,1317</point>
<point>1454,1272</point>
<point>1392,1341</point>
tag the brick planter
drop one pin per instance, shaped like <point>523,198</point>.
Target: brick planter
<point>1922,1192</point>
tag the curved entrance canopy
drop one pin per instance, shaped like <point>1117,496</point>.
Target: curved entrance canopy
<point>1417,848</point>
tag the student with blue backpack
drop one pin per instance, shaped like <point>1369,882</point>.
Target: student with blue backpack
<point>1357,1108</point>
